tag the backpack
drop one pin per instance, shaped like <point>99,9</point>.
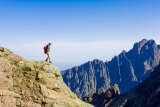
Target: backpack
<point>45,49</point>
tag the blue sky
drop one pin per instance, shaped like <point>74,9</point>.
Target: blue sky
<point>80,30</point>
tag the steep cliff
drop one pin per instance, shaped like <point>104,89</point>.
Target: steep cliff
<point>32,84</point>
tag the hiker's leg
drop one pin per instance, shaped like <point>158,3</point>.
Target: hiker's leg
<point>49,57</point>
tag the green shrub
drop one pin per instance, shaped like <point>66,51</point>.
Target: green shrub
<point>26,68</point>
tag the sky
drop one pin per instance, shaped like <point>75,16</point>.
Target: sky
<point>79,30</point>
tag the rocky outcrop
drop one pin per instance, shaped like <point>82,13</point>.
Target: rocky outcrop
<point>146,94</point>
<point>102,97</point>
<point>32,84</point>
<point>127,70</point>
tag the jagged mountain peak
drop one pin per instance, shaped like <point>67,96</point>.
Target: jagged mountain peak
<point>142,42</point>
<point>138,46</point>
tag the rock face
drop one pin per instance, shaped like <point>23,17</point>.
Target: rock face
<point>102,97</point>
<point>87,78</point>
<point>32,84</point>
<point>146,94</point>
<point>127,70</point>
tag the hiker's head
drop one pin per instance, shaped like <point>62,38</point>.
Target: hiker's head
<point>49,44</point>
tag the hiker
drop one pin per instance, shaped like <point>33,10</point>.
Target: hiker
<point>46,51</point>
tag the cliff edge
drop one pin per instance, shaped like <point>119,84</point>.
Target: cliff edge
<point>32,84</point>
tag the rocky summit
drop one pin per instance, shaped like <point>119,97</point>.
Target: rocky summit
<point>127,69</point>
<point>33,84</point>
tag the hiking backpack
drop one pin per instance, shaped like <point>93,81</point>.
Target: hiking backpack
<point>45,49</point>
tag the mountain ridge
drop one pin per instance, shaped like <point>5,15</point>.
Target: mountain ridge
<point>126,69</point>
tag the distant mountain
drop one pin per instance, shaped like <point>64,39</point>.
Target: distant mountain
<point>127,70</point>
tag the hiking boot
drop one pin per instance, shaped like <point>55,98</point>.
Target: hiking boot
<point>46,60</point>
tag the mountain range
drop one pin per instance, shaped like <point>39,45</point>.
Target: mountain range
<point>128,69</point>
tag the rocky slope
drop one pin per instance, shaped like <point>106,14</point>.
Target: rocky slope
<point>32,84</point>
<point>127,70</point>
<point>146,94</point>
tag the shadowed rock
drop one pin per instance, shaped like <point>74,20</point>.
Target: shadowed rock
<point>102,97</point>
<point>146,94</point>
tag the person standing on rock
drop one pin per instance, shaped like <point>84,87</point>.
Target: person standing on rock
<point>46,51</point>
